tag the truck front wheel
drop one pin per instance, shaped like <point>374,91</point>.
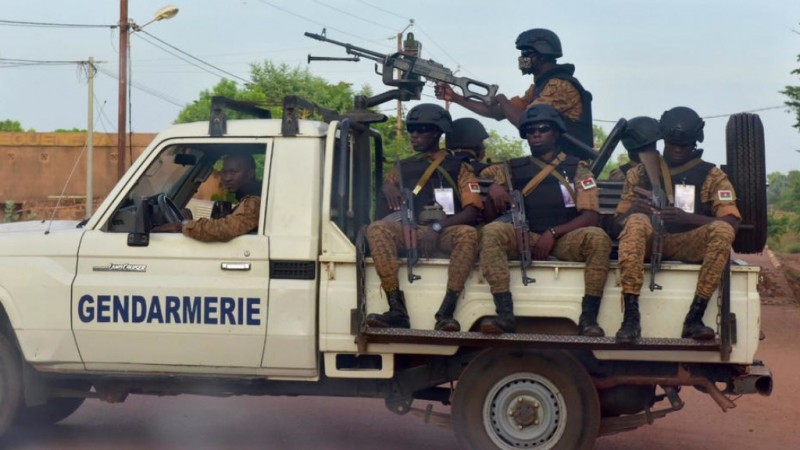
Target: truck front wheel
<point>10,384</point>
<point>512,399</point>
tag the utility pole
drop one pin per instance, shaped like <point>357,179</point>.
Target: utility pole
<point>90,142</point>
<point>124,26</point>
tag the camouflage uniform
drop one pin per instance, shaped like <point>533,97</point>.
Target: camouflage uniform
<point>243,219</point>
<point>461,241</point>
<point>560,94</point>
<point>589,244</point>
<point>621,172</point>
<point>710,243</point>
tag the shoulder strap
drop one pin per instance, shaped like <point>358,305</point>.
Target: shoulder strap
<point>429,171</point>
<point>547,169</point>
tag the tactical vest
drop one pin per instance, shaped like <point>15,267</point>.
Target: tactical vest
<point>582,129</point>
<point>694,176</point>
<point>414,167</point>
<point>544,206</point>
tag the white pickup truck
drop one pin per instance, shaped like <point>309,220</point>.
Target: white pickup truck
<point>105,308</point>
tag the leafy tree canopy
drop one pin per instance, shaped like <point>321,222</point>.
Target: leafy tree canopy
<point>10,125</point>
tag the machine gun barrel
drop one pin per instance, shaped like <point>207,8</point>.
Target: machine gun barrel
<point>332,58</point>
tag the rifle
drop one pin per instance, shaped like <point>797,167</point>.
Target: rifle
<point>411,68</point>
<point>521,229</point>
<point>651,164</point>
<point>409,226</point>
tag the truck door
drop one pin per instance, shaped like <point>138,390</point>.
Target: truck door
<point>176,304</point>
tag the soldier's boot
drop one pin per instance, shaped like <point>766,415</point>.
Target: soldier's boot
<point>504,322</point>
<point>444,317</point>
<point>631,328</point>
<point>693,326</point>
<point>587,324</point>
<point>396,317</point>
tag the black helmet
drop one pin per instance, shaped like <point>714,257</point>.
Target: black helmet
<point>429,113</point>
<point>545,42</point>
<point>681,125</point>
<point>640,132</point>
<point>466,133</point>
<point>540,113</point>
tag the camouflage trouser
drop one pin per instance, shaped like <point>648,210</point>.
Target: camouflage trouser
<point>710,243</point>
<point>589,244</point>
<point>460,241</point>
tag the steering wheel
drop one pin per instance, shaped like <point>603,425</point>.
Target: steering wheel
<point>168,209</point>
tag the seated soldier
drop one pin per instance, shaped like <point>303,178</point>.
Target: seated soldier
<point>443,186</point>
<point>701,230</point>
<point>561,204</point>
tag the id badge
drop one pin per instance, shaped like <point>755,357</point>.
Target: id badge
<point>568,201</point>
<point>445,198</point>
<point>684,197</point>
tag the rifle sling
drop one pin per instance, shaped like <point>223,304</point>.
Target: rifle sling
<point>675,171</point>
<point>548,169</point>
<point>429,171</point>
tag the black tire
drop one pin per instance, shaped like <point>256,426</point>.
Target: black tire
<point>10,384</point>
<point>511,399</point>
<point>747,170</point>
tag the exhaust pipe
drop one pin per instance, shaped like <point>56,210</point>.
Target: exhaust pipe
<point>757,380</point>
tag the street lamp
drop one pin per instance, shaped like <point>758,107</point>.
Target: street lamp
<point>125,26</point>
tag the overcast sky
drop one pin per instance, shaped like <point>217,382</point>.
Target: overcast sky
<point>636,57</point>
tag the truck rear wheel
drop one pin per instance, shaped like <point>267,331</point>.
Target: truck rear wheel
<point>747,171</point>
<point>10,384</point>
<point>512,399</point>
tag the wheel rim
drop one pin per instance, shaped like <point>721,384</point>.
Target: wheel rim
<point>524,410</point>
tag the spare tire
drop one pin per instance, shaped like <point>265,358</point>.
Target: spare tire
<point>747,171</point>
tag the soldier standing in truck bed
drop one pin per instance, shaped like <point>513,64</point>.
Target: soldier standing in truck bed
<point>701,230</point>
<point>562,208</point>
<point>553,84</point>
<point>447,203</point>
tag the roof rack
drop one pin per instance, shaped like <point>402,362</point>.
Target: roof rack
<point>217,125</point>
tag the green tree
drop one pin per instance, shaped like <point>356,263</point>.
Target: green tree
<point>793,92</point>
<point>502,148</point>
<point>776,184</point>
<point>10,125</point>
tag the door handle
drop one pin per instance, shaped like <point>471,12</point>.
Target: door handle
<point>235,266</point>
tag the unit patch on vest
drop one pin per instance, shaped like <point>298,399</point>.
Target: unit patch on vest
<point>588,183</point>
<point>725,195</point>
<point>475,188</point>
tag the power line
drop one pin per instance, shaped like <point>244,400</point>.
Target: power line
<point>167,98</point>
<point>349,14</point>
<point>384,10</point>
<point>308,20</point>
<point>19,23</point>
<point>16,62</point>
<point>195,58</point>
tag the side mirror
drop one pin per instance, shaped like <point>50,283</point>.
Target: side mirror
<point>141,234</point>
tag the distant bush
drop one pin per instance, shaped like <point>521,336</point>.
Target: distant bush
<point>792,247</point>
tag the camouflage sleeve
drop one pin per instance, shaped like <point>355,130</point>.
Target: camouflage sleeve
<point>586,189</point>
<point>718,191</point>
<point>563,96</point>
<point>496,173</point>
<point>616,175</point>
<point>522,102</point>
<point>468,187</point>
<point>243,219</point>
<point>628,195</point>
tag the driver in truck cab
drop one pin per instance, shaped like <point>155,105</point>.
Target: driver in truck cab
<point>239,177</point>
